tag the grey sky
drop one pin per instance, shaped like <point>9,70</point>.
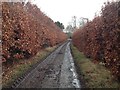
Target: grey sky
<point>63,10</point>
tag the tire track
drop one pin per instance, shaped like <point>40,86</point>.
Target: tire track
<point>37,76</point>
<point>56,71</point>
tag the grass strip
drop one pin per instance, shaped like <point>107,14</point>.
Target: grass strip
<point>21,66</point>
<point>95,75</point>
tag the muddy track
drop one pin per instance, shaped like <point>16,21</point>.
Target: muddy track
<point>56,71</point>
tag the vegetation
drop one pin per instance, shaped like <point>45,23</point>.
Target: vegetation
<point>60,25</point>
<point>26,35</point>
<point>100,38</point>
<point>26,30</point>
<point>20,67</point>
<point>94,74</point>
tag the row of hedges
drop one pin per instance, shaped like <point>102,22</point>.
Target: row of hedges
<point>99,39</point>
<point>26,30</point>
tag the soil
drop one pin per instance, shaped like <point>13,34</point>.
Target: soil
<point>56,71</point>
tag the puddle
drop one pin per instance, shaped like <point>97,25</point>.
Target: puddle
<point>68,71</point>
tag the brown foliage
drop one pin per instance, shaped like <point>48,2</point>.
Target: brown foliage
<point>100,38</point>
<point>26,30</point>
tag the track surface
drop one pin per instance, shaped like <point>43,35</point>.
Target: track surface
<point>56,71</point>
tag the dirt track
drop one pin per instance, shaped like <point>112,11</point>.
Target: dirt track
<point>56,71</point>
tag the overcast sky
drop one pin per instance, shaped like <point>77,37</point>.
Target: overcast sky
<point>64,10</point>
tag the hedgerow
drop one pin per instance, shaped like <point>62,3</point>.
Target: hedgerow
<point>99,39</point>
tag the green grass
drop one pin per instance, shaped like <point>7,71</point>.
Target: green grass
<point>95,75</point>
<point>22,66</point>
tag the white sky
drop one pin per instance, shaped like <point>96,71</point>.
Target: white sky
<point>64,10</point>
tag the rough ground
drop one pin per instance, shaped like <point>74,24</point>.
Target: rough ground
<point>56,71</point>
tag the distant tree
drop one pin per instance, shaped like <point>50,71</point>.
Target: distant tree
<point>60,25</point>
<point>69,29</point>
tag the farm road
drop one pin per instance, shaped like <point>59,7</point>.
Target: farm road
<point>56,71</point>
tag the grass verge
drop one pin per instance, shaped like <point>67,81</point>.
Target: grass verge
<point>23,66</point>
<point>94,75</point>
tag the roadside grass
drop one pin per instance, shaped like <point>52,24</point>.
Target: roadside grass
<point>23,66</point>
<point>94,75</point>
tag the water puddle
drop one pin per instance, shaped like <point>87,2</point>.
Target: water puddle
<point>69,78</point>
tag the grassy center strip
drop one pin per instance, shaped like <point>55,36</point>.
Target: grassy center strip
<point>95,75</point>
